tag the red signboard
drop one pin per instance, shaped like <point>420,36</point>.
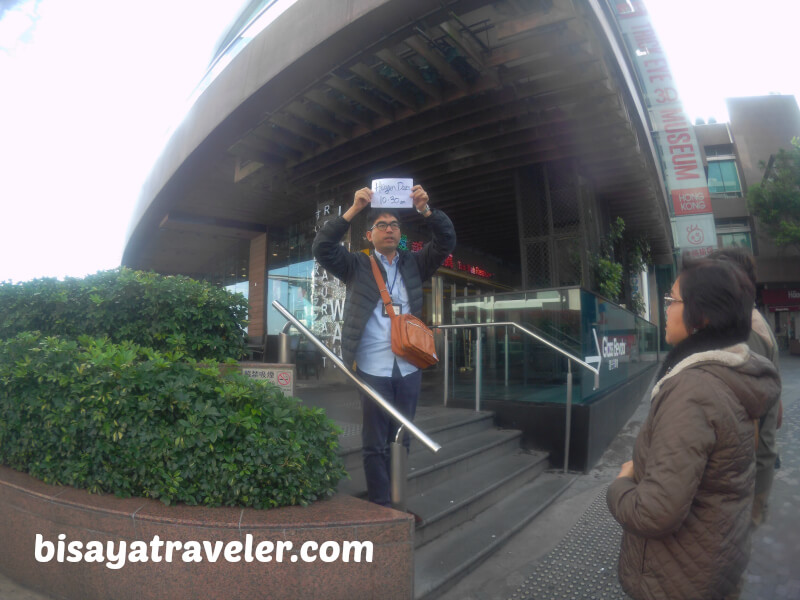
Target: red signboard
<point>781,297</point>
<point>691,201</point>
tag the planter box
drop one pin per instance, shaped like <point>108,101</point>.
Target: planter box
<point>29,507</point>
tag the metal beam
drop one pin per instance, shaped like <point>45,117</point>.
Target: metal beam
<point>298,127</point>
<point>437,61</point>
<point>319,118</point>
<point>366,100</point>
<point>271,132</point>
<point>409,72</point>
<point>340,108</point>
<point>525,24</point>
<point>383,84</point>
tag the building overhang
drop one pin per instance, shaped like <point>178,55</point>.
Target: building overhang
<point>455,96</point>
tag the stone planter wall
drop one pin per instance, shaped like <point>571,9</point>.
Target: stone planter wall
<point>29,507</point>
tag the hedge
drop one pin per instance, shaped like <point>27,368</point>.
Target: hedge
<point>172,313</point>
<point>124,419</point>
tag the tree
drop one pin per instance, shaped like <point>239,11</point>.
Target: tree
<point>776,200</point>
<point>607,271</point>
<point>620,257</point>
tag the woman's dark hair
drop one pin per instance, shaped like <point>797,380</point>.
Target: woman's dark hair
<point>739,256</point>
<point>717,298</point>
<point>379,211</point>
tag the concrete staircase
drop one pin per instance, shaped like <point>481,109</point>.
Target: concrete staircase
<point>474,494</point>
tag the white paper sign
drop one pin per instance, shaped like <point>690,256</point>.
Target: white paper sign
<point>392,193</point>
<point>280,375</point>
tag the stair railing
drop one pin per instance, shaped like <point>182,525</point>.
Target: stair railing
<point>398,451</point>
<point>478,367</point>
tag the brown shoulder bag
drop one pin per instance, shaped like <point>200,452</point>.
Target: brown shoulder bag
<point>411,338</point>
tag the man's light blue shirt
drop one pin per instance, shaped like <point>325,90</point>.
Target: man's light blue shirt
<point>374,355</point>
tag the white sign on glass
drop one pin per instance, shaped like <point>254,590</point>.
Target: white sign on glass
<point>392,193</point>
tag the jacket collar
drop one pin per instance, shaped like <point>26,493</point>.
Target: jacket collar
<point>381,257</point>
<point>732,356</point>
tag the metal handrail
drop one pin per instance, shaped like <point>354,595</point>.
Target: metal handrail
<point>594,370</point>
<point>404,422</point>
<point>570,357</point>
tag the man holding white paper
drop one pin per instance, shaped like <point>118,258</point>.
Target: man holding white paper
<point>366,334</point>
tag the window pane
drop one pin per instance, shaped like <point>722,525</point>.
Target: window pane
<point>715,185</point>
<point>730,177</point>
<point>735,240</point>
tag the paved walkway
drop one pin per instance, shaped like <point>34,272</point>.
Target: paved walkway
<point>570,550</point>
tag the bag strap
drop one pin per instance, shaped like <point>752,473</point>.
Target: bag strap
<point>387,300</point>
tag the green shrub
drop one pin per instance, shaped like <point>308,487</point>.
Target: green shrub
<point>132,421</point>
<point>164,313</point>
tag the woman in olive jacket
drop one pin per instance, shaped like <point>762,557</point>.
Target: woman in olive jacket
<point>684,501</point>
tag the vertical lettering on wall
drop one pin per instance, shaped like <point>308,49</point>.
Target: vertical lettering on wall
<point>673,133</point>
<point>327,292</point>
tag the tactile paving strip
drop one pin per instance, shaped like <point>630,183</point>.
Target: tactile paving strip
<point>584,565</point>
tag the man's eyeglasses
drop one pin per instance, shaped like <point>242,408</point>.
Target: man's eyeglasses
<point>382,225</point>
<point>668,301</point>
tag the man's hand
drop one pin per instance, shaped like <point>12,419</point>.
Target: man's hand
<point>626,470</point>
<point>361,200</point>
<point>420,198</point>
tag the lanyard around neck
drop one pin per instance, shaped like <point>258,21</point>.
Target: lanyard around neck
<point>396,271</point>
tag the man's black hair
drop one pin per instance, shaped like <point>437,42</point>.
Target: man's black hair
<point>379,211</point>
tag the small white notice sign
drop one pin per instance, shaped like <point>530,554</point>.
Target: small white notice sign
<point>280,375</point>
<point>392,193</point>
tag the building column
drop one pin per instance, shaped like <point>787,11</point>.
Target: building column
<point>258,288</point>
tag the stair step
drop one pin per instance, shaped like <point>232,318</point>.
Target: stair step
<point>453,424</point>
<point>447,505</point>
<point>443,426</point>
<point>426,469</point>
<point>439,563</point>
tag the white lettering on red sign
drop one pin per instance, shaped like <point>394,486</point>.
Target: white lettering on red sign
<point>691,201</point>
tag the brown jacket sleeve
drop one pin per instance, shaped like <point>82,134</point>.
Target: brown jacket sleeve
<point>681,438</point>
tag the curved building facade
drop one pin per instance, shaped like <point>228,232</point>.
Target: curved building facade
<point>523,119</point>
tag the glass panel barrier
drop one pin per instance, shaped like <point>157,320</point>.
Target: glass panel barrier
<point>519,368</point>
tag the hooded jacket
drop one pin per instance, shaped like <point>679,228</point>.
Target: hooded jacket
<point>686,512</point>
<point>354,269</point>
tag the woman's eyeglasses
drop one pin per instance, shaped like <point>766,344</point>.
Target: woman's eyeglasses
<point>382,225</point>
<point>669,300</point>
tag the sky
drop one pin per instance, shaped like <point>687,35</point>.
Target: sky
<point>89,90</point>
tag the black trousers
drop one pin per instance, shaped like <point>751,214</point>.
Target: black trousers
<point>379,428</point>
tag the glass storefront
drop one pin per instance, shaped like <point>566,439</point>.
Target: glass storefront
<point>516,367</point>
<point>291,286</point>
<point>290,271</point>
<point>317,298</point>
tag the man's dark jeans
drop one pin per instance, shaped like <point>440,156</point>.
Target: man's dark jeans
<point>379,428</point>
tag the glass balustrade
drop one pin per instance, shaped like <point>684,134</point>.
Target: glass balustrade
<point>516,367</point>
